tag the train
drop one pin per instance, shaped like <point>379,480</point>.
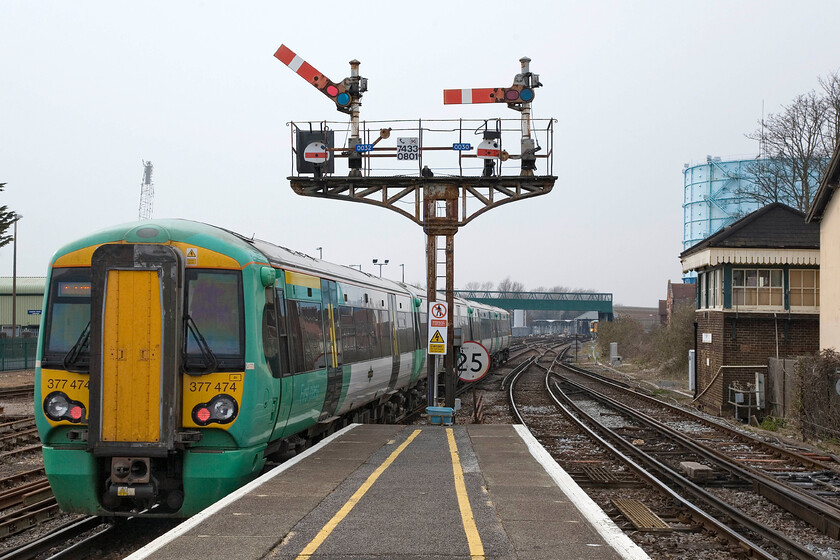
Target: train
<point>176,357</point>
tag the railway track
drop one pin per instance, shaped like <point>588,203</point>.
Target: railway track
<point>621,482</point>
<point>807,487</point>
<point>19,391</point>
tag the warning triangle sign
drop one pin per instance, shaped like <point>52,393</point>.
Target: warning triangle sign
<point>436,338</point>
<point>191,253</point>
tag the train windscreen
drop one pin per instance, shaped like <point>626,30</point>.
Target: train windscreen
<point>67,327</point>
<point>214,327</point>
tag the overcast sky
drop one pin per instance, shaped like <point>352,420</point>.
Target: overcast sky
<point>89,89</point>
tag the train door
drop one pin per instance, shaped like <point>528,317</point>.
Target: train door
<point>135,318</point>
<point>332,349</point>
<point>276,342</point>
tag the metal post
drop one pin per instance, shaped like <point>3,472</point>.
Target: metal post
<point>14,277</point>
<point>354,160</point>
<point>527,144</point>
<point>449,361</point>
<point>431,296</point>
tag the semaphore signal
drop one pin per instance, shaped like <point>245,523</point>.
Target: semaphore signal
<point>346,95</point>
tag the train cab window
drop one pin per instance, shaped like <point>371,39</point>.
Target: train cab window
<point>67,327</point>
<point>213,318</point>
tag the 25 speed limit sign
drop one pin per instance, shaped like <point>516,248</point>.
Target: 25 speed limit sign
<point>473,361</point>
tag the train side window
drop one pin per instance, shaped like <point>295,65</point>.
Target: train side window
<point>405,332</point>
<point>275,341</point>
<point>383,328</point>
<point>307,335</point>
<point>366,341</point>
<point>282,331</point>
<point>295,342</point>
<point>424,328</point>
<point>271,342</point>
<point>349,343</point>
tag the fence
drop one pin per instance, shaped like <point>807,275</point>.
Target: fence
<point>17,353</point>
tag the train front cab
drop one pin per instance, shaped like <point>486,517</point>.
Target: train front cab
<point>118,415</point>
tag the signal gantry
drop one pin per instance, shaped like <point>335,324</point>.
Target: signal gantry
<point>441,202</point>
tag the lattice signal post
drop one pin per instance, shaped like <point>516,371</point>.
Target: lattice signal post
<point>440,204</point>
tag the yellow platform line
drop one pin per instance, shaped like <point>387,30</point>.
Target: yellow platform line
<point>354,499</point>
<point>473,538</point>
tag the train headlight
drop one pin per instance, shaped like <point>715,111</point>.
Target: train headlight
<point>58,406</point>
<point>221,409</point>
<point>224,408</point>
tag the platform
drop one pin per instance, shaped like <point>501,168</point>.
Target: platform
<point>400,492</point>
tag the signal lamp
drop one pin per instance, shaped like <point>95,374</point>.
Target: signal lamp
<point>58,406</point>
<point>511,95</point>
<point>526,95</point>
<point>203,414</point>
<point>331,90</point>
<point>343,99</point>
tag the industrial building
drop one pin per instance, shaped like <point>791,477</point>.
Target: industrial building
<point>715,195</point>
<point>28,296</point>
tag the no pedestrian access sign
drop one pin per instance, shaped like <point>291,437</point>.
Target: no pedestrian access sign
<point>438,322</point>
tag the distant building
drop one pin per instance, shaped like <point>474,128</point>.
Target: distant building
<point>758,296</point>
<point>676,294</point>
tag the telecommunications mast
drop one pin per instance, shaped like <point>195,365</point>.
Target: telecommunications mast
<point>147,192</point>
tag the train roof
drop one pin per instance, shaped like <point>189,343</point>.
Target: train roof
<point>244,250</point>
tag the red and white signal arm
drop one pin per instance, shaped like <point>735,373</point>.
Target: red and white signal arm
<point>316,152</point>
<point>473,361</point>
<point>489,149</point>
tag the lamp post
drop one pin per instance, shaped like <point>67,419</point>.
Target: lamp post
<point>14,276</point>
<point>380,265</point>
<point>402,266</point>
<point>320,252</point>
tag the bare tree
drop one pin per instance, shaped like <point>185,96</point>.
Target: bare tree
<point>795,146</point>
<point>831,88</point>
<point>508,285</point>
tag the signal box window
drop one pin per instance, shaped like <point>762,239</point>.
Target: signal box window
<point>757,288</point>
<point>804,288</point>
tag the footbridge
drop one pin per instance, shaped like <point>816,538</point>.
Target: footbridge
<point>544,301</point>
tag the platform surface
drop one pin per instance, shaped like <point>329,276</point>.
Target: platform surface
<point>405,492</point>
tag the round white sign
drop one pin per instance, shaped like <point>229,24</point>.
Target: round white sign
<point>473,361</point>
<point>316,152</point>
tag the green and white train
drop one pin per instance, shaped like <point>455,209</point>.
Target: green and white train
<point>175,357</point>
